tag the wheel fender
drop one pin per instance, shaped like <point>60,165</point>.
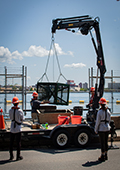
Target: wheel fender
<point>57,128</point>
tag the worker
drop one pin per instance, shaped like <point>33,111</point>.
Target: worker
<point>102,127</point>
<point>16,116</point>
<point>35,104</point>
<point>92,90</point>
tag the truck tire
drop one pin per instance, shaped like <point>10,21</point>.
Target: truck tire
<point>82,138</point>
<point>61,139</point>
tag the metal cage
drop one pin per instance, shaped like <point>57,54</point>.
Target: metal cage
<point>55,93</point>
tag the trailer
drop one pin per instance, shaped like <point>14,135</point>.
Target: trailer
<point>61,136</point>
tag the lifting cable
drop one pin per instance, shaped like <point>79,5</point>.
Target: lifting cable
<point>54,51</point>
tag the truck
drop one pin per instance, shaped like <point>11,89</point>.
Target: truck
<point>62,135</point>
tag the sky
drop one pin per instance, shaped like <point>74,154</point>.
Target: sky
<point>25,38</point>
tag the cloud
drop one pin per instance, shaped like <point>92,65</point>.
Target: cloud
<point>73,65</point>
<point>17,55</point>
<point>59,49</point>
<point>71,53</point>
<point>33,51</point>
<point>7,56</point>
<point>39,51</point>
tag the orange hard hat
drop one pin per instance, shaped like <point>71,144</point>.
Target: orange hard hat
<point>92,89</point>
<point>15,100</point>
<point>35,94</point>
<point>1,110</point>
<point>103,101</point>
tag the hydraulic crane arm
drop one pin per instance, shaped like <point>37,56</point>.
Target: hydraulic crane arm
<point>85,24</point>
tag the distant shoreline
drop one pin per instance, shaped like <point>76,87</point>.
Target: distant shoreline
<point>30,92</point>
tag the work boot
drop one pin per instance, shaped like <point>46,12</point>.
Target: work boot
<point>19,158</point>
<point>106,157</point>
<point>11,157</point>
<point>101,158</point>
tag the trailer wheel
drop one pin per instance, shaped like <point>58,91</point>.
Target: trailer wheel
<point>61,139</point>
<point>82,138</point>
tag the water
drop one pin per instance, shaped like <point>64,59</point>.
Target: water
<point>74,97</point>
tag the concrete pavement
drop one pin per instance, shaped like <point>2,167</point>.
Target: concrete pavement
<point>45,158</point>
<point>118,135</point>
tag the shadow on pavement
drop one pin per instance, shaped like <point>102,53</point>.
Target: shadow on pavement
<point>2,162</point>
<point>52,150</point>
<point>91,163</point>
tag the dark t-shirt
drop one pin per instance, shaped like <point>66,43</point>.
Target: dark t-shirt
<point>35,105</point>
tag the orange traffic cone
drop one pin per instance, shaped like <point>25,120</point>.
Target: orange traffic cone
<point>2,124</point>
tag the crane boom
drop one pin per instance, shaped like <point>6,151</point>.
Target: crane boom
<point>86,24</point>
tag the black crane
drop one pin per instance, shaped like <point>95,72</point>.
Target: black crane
<point>85,24</point>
